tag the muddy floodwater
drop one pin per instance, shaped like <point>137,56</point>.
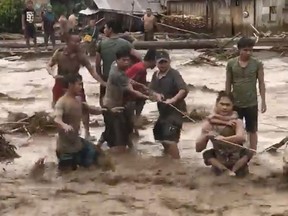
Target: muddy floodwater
<point>144,183</point>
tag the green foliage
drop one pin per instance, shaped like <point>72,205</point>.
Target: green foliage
<point>10,15</point>
<point>59,9</point>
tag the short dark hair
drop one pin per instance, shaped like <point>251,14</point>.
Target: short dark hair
<point>122,53</point>
<point>71,78</point>
<point>222,94</point>
<point>150,55</point>
<point>114,25</point>
<point>245,42</point>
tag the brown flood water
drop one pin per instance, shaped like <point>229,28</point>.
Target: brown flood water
<point>144,183</point>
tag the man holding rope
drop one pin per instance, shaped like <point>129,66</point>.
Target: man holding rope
<point>171,91</point>
<point>226,155</point>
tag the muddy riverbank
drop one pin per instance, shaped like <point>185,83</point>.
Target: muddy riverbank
<point>144,183</point>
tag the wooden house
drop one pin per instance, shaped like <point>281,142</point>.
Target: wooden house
<point>228,17</point>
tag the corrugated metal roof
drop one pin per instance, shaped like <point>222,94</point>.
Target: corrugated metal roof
<point>126,5</point>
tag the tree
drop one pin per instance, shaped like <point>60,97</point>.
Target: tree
<point>10,15</point>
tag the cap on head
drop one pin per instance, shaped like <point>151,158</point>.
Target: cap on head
<point>162,56</point>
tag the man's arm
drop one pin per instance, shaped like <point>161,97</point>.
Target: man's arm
<point>138,94</point>
<point>92,109</point>
<point>239,137</point>
<point>59,110</point>
<point>202,140</point>
<point>86,63</point>
<point>136,54</point>
<point>52,62</point>
<point>23,20</point>
<point>228,82</point>
<point>98,63</point>
<point>262,88</point>
<point>137,84</point>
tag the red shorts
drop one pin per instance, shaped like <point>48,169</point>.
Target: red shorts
<point>59,90</point>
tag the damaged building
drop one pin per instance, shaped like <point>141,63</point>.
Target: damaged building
<point>228,17</point>
<point>127,12</point>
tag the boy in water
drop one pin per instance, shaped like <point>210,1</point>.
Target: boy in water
<point>72,150</point>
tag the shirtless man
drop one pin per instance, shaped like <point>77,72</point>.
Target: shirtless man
<point>224,157</point>
<point>118,127</point>
<point>69,60</point>
<point>150,23</point>
<point>72,150</point>
<point>64,27</point>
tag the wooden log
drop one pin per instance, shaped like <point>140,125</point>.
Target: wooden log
<point>183,44</point>
<point>205,43</point>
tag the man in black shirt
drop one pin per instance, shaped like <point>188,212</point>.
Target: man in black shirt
<point>168,83</point>
<point>28,23</point>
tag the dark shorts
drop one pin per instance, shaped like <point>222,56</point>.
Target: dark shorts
<point>30,32</point>
<point>168,128</point>
<point>250,114</point>
<point>211,153</point>
<point>149,36</point>
<point>85,157</point>
<point>118,128</point>
<point>50,35</point>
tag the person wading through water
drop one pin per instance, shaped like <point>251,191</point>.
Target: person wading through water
<point>242,74</point>
<point>138,73</point>
<point>72,150</point>
<point>224,157</point>
<point>170,90</point>
<point>28,24</point>
<point>150,24</point>
<point>118,127</point>
<point>69,60</point>
<point>106,52</point>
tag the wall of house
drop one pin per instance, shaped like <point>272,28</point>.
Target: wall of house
<point>221,19</point>
<point>269,14</point>
<point>197,8</point>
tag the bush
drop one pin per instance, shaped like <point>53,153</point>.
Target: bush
<point>10,15</point>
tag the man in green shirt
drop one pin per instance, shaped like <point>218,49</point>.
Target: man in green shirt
<point>106,52</point>
<point>242,74</point>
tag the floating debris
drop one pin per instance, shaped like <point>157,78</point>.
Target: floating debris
<point>203,59</point>
<point>212,56</point>
<point>7,151</point>
<point>222,54</point>
<point>40,122</point>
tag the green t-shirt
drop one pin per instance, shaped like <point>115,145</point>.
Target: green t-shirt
<point>244,81</point>
<point>107,49</point>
